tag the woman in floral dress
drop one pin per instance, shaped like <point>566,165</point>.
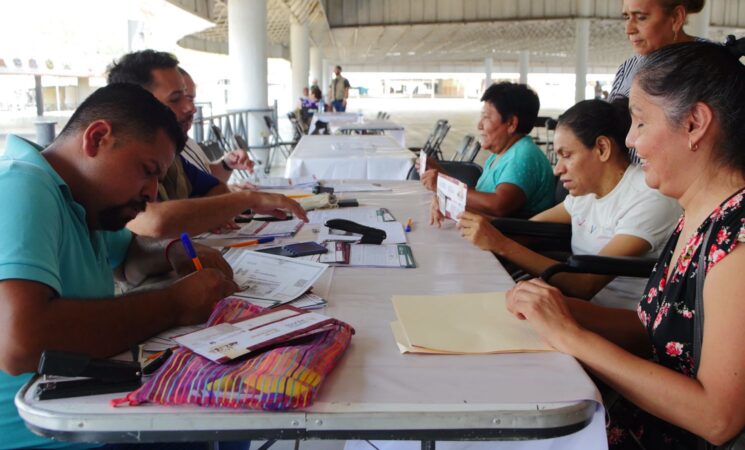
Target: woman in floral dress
<point>688,125</point>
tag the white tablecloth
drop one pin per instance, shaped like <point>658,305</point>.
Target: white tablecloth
<point>360,157</point>
<point>374,387</point>
<point>392,129</point>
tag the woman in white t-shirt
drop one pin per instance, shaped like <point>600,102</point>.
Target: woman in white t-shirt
<point>611,209</point>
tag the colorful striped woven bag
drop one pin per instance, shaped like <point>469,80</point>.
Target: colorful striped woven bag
<point>277,379</point>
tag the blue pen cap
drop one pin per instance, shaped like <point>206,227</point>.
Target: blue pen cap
<point>264,240</point>
<point>187,245</point>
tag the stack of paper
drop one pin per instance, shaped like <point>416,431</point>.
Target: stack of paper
<point>258,229</point>
<point>285,183</point>
<point>461,324</point>
<point>272,277</point>
<point>365,215</point>
<point>366,255</point>
<point>226,341</point>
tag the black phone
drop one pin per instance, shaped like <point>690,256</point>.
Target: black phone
<point>296,249</point>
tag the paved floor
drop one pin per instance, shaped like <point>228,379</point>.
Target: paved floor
<point>418,116</point>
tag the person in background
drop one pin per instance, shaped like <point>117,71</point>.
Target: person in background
<point>339,91</point>
<point>687,109</point>
<point>57,265</point>
<point>193,153</point>
<point>185,205</point>
<point>651,24</point>
<point>517,178</point>
<point>611,210</point>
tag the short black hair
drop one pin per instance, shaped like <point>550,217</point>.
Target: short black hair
<point>132,111</point>
<point>512,99</point>
<point>590,119</point>
<point>137,67</point>
<point>338,67</point>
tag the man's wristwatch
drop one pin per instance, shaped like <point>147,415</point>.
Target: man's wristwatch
<point>225,165</point>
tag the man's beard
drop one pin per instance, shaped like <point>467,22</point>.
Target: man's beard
<point>116,217</point>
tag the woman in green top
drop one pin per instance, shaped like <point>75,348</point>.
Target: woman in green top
<point>517,178</point>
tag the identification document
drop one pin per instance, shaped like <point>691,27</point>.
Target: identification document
<point>451,196</point>
<point>272,277</point>
<point>226,341</point>
<point>422,163</point>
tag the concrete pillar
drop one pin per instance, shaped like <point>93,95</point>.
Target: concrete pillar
<point>524,63</point>
<point>698,24</point>
<point>488,63</point>
<point>39,96</point>
<point>299,57</point>
<point>247,62</point>
<point>316,67</point>
<point>83,91</point>
<point>325,81</point>
<point>582,50</point>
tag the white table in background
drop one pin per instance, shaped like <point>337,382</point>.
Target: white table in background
<point>392,129</point>
<point>375,392</point>
<point>359,157</point>
<point>333,119</point>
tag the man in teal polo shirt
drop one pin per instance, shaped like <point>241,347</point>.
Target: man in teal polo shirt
<point>62,232</point>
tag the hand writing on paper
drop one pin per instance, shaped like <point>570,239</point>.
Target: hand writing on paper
<point>545,308</point>
<point>435,216</point>
<point>210,257</point>
<point>195,295</point>
<point>479,230</point>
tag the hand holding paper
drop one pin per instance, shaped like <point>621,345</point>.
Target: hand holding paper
<point>451,196</point>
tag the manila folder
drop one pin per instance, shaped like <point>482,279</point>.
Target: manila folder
<point>462,323</point>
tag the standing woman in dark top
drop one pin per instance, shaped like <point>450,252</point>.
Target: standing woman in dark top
<point>688,109</point>
<point>650,25</point>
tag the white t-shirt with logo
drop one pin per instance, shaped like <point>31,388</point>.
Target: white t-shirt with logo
<point>631,208</point>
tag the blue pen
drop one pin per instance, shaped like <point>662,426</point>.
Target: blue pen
<point>190,251</point>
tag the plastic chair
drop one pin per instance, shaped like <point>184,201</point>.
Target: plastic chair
<point>432,138</point>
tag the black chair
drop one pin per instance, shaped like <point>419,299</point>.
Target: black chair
<point>276,143</point>
<point>620,266</point>
<point>435,138</point>
<point>220,138</point>
<point>463,150</point>
<point>466,172</point>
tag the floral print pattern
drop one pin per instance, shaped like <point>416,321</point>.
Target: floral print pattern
<point>667,312</point>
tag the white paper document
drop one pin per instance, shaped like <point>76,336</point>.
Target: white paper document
<point>366,255</point>
<point>305,301</point>
<point>364,215</point>
<point>451,196</point>
<point>285,183</point>
<point>226,341</point>
<point>272,277</point>
<point>258,229</point>
<point>368,187</point>
<point>394,233</point>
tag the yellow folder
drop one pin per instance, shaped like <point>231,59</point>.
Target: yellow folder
<point>461,324</point>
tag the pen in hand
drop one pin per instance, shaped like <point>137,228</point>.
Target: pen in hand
<point>190,251</point>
